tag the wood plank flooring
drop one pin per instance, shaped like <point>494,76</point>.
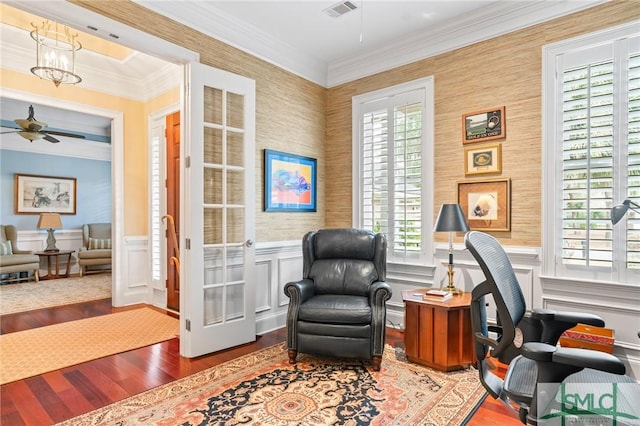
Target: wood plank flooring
<point>60,395</point>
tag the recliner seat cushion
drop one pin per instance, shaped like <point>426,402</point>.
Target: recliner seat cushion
<point>351,331</point>
<point>336,309</point>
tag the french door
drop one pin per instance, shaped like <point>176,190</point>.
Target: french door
<point>217,271</point>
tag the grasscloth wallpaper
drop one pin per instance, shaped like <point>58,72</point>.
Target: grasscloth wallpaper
<point>505,70</point>
<point>300,117</point>
<point>290,112</point>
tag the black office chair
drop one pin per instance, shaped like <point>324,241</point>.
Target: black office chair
<point>527,343</point>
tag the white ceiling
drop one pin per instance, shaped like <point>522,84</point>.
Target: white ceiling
<point>295,35</point>
<point>300,37</point>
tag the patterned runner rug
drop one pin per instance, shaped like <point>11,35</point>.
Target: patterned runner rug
<point>39,350</point>
<point>20,297</point>
<point>264,389</point>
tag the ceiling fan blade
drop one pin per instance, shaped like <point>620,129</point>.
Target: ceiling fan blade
<point>50,139</point>
<point>11,131</point>
<point>69,135</point>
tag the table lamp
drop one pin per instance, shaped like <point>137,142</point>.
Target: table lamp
<point>451,219</point>
<point>618,211</point>
<point>50,221</point>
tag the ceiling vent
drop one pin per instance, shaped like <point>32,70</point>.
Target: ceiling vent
<point>340,9</point>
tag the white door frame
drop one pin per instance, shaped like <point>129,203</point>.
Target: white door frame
<point>78,17</point>
<point>117,165</point>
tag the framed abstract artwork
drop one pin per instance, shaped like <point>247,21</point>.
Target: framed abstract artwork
<point>290,182</point>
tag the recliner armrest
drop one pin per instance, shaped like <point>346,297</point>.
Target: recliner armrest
<point>555,323</point>
<point>300,290</point>
<point>379,293</point>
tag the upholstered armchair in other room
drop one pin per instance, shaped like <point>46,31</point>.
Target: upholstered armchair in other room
<point>95,253</point>
<point>338,307</point>
<point>13,260</point>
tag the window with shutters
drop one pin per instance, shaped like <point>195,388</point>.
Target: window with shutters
<point>592,160</point>
<point>156,201</point>
<point>393,165</point>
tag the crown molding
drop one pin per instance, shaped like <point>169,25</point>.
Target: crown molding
<point>480,26</point>
<point>207,19</point>
<point>504,17</point>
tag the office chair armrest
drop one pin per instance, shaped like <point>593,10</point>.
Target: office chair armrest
<point>554,323</point>
<point>481,338</point>
<point>572,358</point>
<point>299,291</point>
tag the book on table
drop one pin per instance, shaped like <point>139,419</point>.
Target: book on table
<point>437,295</point>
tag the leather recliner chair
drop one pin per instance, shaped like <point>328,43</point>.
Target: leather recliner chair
<point>338,307</point>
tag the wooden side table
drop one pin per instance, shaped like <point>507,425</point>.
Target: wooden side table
<point>438,334</point>
<point>55,255</point>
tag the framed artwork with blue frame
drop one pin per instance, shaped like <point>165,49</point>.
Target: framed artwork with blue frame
<point>290,182</point>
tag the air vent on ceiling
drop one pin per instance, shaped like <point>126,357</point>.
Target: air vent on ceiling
<point>340,9</point>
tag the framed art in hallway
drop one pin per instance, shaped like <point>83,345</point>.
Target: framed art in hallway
<point>44,194</point>
<point>486,204</point>
<point>290,182</point>
<point>484,125</point>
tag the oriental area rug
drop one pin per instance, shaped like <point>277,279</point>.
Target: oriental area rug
<point>262,388</point>
<point>39,350</point>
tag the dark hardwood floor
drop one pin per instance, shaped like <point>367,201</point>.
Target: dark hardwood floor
<point>62,394</point>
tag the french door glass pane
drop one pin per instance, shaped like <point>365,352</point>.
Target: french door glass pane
<point>223,210</point>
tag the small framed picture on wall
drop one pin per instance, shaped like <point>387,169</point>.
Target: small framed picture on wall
<point>484,125</point>
<point>483,159</point>
<point>486,204</point>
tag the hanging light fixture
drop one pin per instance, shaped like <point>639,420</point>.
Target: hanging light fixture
<point>56,53</point>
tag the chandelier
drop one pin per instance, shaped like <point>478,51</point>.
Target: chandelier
<point>55,53</point>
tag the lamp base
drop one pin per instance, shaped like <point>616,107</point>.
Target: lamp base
<point>450,288</point>
<point>51,242</point>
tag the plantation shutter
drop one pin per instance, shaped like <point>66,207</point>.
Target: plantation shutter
<point>391,171</point>
<point>633,176</point>
<point>600,138</point>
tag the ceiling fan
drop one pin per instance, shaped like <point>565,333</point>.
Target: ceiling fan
<point>33,129</point>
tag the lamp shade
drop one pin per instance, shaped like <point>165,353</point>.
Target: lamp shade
<point>49,221</point>
<point>618,211</point>
<point>451,219</point>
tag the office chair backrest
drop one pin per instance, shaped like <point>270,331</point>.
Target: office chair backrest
<point>501,283</point>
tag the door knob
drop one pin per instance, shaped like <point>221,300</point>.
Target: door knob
<point>249,243</point>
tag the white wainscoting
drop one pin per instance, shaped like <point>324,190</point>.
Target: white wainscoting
<point>277,263</point>
<point>280,262</point>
